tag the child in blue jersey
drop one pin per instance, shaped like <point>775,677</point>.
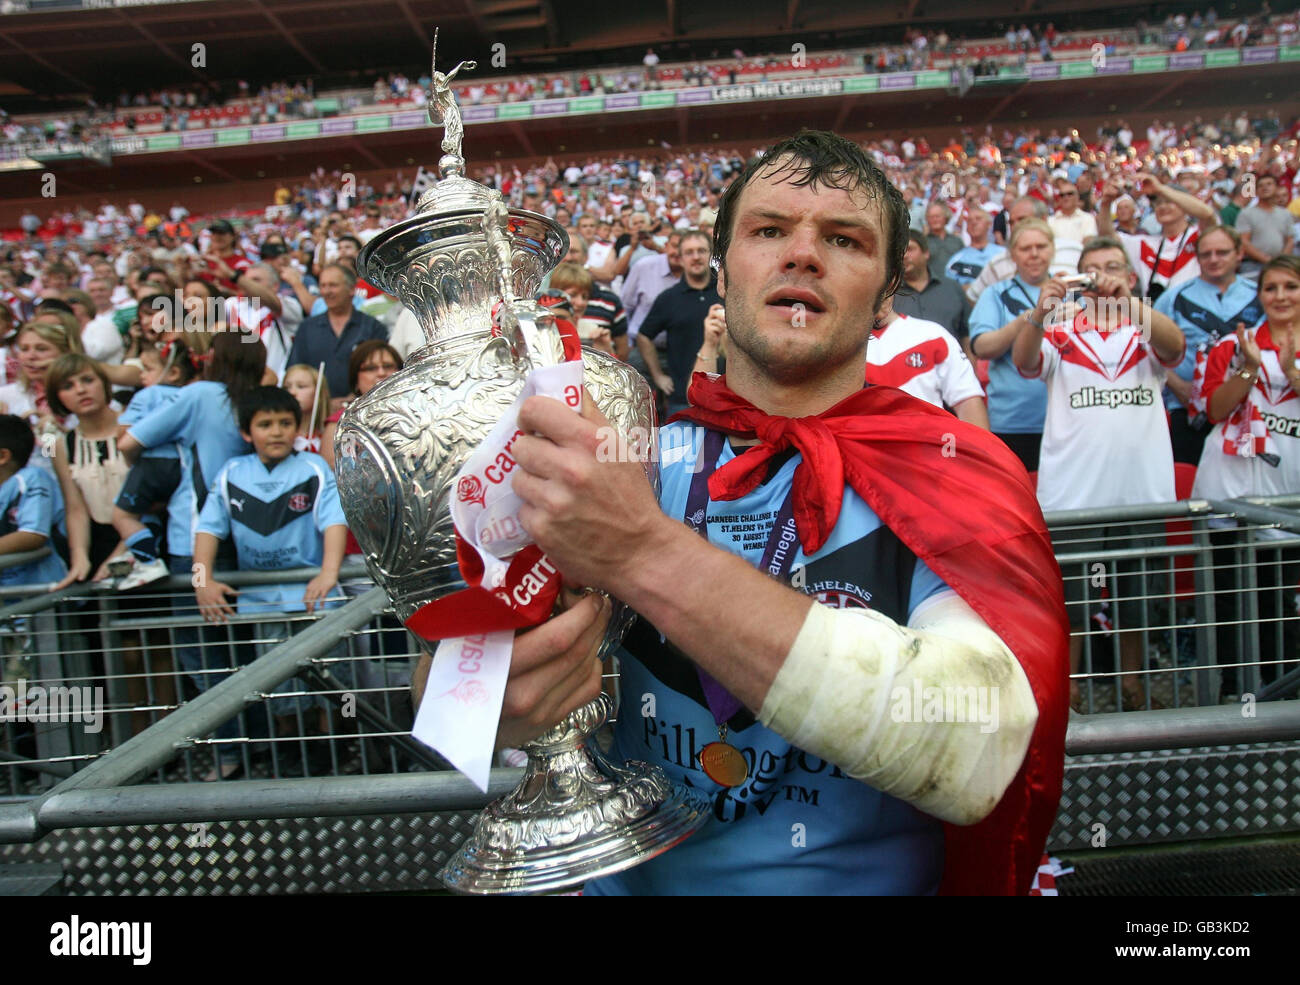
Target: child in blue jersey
<point>201,421</point>
<point>155,477</point>
<point>281,508</point>
<point>31,516</point>
<point>31,508</point>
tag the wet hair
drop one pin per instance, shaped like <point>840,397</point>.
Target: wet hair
<point>17,437</point>
<point>66,367</point>
<point>363,352</point>
<point>267,398</point>
<point>818,157</point>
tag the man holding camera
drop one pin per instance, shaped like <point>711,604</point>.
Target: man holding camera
<point>1103,353</point>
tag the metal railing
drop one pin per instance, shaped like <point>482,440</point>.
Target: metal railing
<point>88,669</point>
<point>327,696</point>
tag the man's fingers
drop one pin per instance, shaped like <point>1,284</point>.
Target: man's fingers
<point>557,635</point>
<point>552,419</point>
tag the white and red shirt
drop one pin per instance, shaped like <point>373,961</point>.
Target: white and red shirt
<point>1105,436</point>
<point>921,358</point>
<point>250,315</point>
<point>1162,262</point>
<point>1225,475</point>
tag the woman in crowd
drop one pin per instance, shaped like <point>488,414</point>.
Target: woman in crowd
<point>1017,406</point>
<point>38,343</point>
<point>1250,389</point>
<point>371,362</point>
<point>87,462</point>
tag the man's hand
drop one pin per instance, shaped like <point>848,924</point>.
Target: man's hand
<point>1050,298</point>
<point>665,383</point>
<point>212,601</point>
<point>594,519</point>
<point>715,327</point>
<point>554,669</point>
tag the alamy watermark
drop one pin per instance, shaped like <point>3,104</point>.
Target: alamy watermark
<point>38,704</point>
<point>946,703</point>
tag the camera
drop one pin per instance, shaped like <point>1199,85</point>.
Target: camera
<point>1079,282</point>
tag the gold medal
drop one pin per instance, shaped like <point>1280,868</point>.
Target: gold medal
<point>723,763</point>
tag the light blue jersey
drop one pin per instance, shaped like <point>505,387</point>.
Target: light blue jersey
<point>277,517</point>
<point>798,824</point>
<point>203,423</point>
<point>1205,315</point>
<point>1016,405</point>
<point>144,403</point>
<point>30,502</point>
<point>966,263</point>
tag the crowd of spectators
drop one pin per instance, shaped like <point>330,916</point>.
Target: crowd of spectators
<point>205,104</point>
<point>112,327</point>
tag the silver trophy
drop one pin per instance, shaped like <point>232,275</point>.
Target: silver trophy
<point>461,263</point>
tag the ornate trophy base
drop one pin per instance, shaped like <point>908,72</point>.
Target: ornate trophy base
<point>574,817</point>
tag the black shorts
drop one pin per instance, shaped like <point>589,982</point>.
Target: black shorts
<point>1026,447</point>
<point>1133,593</point>
<point>151,481</point>
<point>1187,441</point>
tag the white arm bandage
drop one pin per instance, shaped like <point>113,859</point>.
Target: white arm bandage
<point>938,714</point>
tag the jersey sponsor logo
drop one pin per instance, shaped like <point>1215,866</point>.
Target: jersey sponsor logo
<point>1277,424</point>
<point>503,464</point>
<point>470,490</point>
<point>840,595</point>
<point>1091,396</point>
<point>266,517</point>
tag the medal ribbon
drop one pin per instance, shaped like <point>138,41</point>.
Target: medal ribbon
<point>777,560</point>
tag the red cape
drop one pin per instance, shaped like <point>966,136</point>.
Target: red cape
<point>962,503</point>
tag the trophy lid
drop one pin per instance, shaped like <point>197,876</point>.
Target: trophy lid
<point>442,262</point>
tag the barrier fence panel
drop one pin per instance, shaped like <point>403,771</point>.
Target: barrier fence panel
<point>87,669</point>
<point>1180,604</point>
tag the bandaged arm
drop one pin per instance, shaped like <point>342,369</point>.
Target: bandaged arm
<point>855,683</point>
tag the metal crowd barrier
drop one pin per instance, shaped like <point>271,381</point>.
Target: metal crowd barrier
<point>327,699</point>
<point>1202,594</point>
<point>87,669</point>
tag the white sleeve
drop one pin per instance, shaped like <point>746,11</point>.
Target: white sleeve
<point>957,379</point>
<point>938,714</point>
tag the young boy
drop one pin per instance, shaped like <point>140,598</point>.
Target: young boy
<point>31,508</point>
<point>31,515</point>
<point>282,509</point>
